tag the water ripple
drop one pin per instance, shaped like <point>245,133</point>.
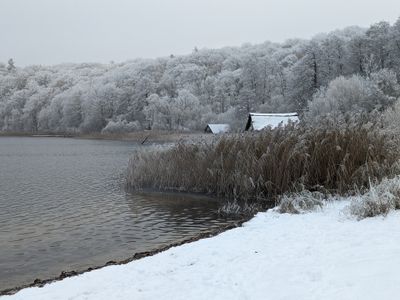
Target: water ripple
<point>62,208</point>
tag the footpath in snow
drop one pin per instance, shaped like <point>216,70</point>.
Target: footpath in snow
<point>319,255</point>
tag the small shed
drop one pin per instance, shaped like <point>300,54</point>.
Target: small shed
<point>217,128</point>
<point>259,121</point>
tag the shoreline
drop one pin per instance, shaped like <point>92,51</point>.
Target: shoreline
<point>148,137</point>
<point>318,255</point>
<point>142,137</point>
<point>72,273</point>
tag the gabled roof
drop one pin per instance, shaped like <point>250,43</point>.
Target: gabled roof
<point>258,121</point>
<point>218,128</point>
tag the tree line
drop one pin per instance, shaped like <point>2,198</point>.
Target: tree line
<point>347,70</point>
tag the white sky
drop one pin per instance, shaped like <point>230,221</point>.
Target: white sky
<point>57,31</point>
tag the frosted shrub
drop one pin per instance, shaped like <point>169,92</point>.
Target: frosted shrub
<point>301,202</point>
<point>391,118</point>
<point>380,199</point>
<point>371,205</point>
<point>233,208</point>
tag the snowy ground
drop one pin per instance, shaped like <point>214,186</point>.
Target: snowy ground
<point>319,255</point>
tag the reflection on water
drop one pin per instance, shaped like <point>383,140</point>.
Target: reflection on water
<point>62,207</point>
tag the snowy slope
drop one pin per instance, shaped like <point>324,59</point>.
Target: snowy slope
<point>319,255</point>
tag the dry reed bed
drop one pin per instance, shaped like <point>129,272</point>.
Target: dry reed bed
<point>261,166</point>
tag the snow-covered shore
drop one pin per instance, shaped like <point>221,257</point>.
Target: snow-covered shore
<point>319,255</point>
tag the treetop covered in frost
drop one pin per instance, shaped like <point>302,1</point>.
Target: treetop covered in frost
<point>342,71</point>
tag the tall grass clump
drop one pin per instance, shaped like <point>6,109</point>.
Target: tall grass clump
<point>380,199</point>
<point>261,166</point>
<point>300,202</point>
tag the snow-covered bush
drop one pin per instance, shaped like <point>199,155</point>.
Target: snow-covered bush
<point>391,118</point>
<point>377,200</point>
<point>380,199</point>
<point>300,202</point>
<point>233,208</point>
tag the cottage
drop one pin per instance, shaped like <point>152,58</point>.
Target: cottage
<point>217,128</point>
<point>259,121</point>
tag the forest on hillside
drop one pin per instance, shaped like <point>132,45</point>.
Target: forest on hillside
<point>350,70</point>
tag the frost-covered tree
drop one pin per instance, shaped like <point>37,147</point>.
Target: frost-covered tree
<point>330,73</point>
<point>11,65</point>
<point>343,95</point>
<point>305,76</point>
<point>378,43</point>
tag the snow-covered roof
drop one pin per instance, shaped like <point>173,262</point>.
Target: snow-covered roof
<point>258,121</point>
<point>218,128</point>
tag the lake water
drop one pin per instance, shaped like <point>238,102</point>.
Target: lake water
<point>63,207</point>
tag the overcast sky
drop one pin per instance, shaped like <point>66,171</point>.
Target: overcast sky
<point>57,31</point>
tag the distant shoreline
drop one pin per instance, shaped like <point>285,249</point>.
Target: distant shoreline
<point>143,137</point>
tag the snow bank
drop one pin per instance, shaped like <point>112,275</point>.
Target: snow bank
<point>320,255</point>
